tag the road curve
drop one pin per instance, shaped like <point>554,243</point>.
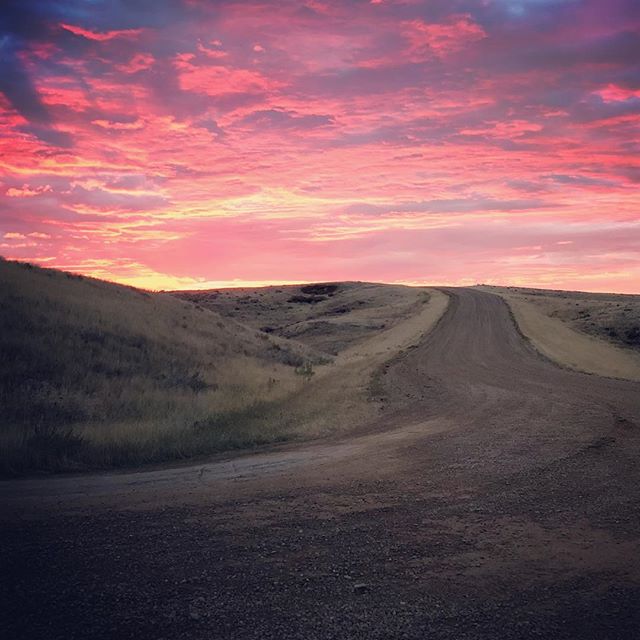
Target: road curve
<point>497,496</point>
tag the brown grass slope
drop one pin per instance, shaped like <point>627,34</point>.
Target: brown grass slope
<point>94,374</point>
<point>362,325</point>
<point>613,317</point>
<point>330,317</point>
<point>598,333</point>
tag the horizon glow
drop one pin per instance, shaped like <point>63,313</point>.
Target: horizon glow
<point>191,144</point>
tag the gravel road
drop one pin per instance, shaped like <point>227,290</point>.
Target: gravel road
<point>497,496</point>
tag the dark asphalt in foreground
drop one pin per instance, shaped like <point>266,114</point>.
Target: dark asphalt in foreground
<point>501,501</point>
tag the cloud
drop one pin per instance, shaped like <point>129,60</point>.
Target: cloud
<point>16,84</point>
<point>26,191</point>
<point>101,36</point>
<point>284,119</point>
<point>216,80</point>
<point>49,135</point>
<point>99,199</point>
<point>448,205</point>
<point>23,24</point>
<point>443,139</point>
<point>119,126</point>
<point>583,181</point>
<point>428,39</point>
<point>139,62</point>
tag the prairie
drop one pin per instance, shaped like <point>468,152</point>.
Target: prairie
<point>359,326</point>
<point>326,316</point>
<point>494,496</point>
<point>98,375</point>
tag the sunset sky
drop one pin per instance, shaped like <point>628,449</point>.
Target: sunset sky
<point>197,144</point>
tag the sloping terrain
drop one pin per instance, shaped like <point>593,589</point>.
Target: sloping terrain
<point>359,326</point>
<point>592,332</point>
<point>495,498</point>
<point>94,373</point>
<point>330,317</point>
<point>614,317</point>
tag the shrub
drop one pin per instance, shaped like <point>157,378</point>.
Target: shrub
<point>306,371</point>
<point>319,289</point>
<point>306,299</point>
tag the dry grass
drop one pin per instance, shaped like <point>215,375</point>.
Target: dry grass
<point>328,317</point>
<point>592,332</point>
<point>359,325</point>
<point>607,316</point>
<point>96,374</point>
<point>346,393</point>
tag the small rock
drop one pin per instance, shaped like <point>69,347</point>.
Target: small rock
<point>361,587</point>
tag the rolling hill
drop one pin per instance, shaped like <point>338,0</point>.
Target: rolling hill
<point>98,374</point>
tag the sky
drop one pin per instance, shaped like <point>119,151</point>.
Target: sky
<point>191,144</point>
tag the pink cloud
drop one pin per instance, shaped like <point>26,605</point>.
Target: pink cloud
<point>119,126</point>
<point>220,80</point>
<point>101,36</point>
<point>395,141</point>
<point>26,192</point>
<point>441,39</point>
<point>614,93</point>
<point>139,62</point>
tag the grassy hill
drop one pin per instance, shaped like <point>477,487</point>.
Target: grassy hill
<point>329,317</point>
<point>613,317</point>
<point>98,375</point>
<point>94,374</point>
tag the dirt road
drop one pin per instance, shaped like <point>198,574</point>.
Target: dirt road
<point>497,496</point>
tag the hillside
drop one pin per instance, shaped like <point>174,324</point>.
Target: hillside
<point>597,333</point>
<point>97,374</point>
<point>614,317</point>
<point>329,317</point>
<point>361,326</point>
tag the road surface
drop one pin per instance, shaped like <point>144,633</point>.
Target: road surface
<point>497,496</point>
